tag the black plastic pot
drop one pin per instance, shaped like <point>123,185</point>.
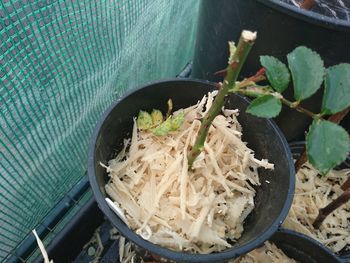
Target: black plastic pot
<point>281,28</point>
<point>297,148</point>
<point>273,198</point>
<point>302,248</point>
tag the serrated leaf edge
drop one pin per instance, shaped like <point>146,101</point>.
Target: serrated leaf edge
<point>283,65</point>
<point>323,74</point>
<point>307,148</point>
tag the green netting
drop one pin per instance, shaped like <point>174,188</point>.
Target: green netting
<point>62,63</point>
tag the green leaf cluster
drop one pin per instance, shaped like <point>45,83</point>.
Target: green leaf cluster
<point>327,143</point>
<point>155,122</point>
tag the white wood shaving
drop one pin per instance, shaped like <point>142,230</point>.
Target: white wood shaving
<point>42,248</point>
<point>200,211</point>
<point>268,253</point>
<point>312,192</point>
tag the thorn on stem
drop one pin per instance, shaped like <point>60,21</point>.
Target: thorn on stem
<point>221,73</point>
<point>234,65</point>
<point>260,72</point>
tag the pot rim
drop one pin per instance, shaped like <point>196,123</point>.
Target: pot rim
<point>309,239</point>
<point>165,252</point>
<point>308,16</point>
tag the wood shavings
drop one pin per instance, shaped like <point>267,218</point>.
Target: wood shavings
<point>187,210</point>
<point>312,192</point>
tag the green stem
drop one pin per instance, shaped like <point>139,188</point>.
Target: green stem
<point>236,62</point>
<point>253,91</point>
<point>296,106</point>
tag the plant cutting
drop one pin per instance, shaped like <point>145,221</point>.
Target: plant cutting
<point>327,143</point>
<point>283,27</point>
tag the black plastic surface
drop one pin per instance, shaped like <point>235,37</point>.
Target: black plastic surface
<point>67,247</point>
<point>272,200</point>
<point>281,28</point>
<point>70,241</point>
<point>302,248</point>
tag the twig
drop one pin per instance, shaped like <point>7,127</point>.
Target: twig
<point>255,91</point>
<point>296,106</point>
<point>221,73</point>
<point>346,185</point>
<point>236,62</point>
<point>301,160</point>
<point>324,212</point>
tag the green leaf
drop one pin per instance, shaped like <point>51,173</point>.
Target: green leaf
<point>170,124</point>
<point>307,71</point>
<point>266,106</point>
<point>277,73</point>
<point>336,96</point>
<point>164,128</point>
<point>144,120</point>
<point>177,121</point>
<point>327,145</point>
<point>157,117</point>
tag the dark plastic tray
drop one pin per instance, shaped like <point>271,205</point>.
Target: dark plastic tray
<point>70,244</point>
